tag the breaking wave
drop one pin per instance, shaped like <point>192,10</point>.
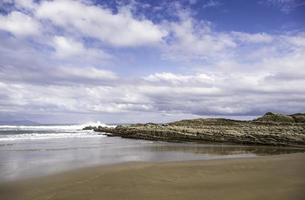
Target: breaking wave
<point>53,127</point>
<point>12,132</point>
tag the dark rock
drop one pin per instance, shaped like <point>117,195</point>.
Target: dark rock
<point>276,117</point>
<point>89,128</point>
<point>270,129</point>
<point>299,117</point>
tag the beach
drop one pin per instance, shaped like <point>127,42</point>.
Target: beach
<point>263,177</point>
<point>152,100</point>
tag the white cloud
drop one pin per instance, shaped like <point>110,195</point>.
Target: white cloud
<point>285,6</point>
<point>234,93</point>
<point>84,73</point>
<point>253,38</point>
<point>211,4</point>
<point>171,78</point>
<point>168,77</point>
<point>63,71</point>
<point>25,4</point>
<point>120,29</point>
<point>195,40</point>
<point>67,47</point>
<point>19,24</point>
<point>228,93</point>
<point>62,75</point>
<point>296,40</point>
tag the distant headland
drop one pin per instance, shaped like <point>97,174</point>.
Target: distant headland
<point>270,129</point>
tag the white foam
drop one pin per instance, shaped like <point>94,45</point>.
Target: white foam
<point>53,127</point>
<point>39,136</point>
<point>50,131</point>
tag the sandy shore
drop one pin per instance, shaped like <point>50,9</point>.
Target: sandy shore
<point>268,177</point>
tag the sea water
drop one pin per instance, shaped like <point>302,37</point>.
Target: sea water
<point>29,151</point>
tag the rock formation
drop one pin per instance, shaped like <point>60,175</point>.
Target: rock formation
<point>270,129</point>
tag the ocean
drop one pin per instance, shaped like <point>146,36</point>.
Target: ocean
<point>30,151</point>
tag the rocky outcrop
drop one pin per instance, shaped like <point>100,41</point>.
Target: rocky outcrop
<point>276,117</point>
<point>270,129</point>
<point>299,117</point>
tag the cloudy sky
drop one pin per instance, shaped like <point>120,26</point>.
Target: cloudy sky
<point>150,60</point>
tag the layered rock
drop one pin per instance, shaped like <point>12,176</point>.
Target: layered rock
<point>270,129</point>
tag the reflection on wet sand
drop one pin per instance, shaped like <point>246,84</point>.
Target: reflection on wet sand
<point>221,149</point>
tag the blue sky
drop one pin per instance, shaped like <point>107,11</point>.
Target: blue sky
<point>140,61</point>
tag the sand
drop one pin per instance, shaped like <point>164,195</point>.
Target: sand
<point>269,177</point>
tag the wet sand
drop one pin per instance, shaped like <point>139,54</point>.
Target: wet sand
<point>268,177</point>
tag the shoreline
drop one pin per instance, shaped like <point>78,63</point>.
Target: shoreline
<point>265,177</point>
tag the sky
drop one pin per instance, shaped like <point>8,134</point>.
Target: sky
<point>129,61</point>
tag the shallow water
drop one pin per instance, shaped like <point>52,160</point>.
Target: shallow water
<point>28,151</point>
